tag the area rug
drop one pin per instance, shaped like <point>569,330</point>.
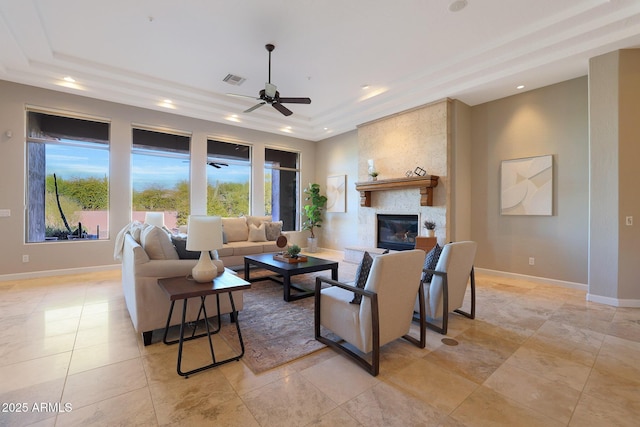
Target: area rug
<point>275,331</point>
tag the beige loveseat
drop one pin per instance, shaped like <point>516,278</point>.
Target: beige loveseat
<point>149,253</point>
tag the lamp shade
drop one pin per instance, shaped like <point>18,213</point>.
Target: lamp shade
<point>204,233</point>
<point>154,218</point>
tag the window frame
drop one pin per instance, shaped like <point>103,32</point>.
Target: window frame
<point>81,138</point>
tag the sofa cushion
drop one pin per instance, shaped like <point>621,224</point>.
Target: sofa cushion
<point>244,248</point>
<point>236,229</point>
<point>257,220</point>
<point>227,250</point>
<point>257,234</point>
<point>270,247</point>
<point>157,244</point>
<point>135,229</point>
<point>272,230</point>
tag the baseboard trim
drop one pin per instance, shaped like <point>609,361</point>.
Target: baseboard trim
<point>61,272</point>
<point>535,279</point>
<point>631,303</point>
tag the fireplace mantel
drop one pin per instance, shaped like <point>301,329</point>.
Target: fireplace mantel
<point>426,184</point>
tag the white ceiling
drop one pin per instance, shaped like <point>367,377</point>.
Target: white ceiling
<point>410,52</point>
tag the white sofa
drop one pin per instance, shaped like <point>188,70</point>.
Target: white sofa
<point>147,303</point>
<point>149,253</point>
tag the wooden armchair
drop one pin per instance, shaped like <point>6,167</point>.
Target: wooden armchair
<point>445,291</point>
<point>384,314</point>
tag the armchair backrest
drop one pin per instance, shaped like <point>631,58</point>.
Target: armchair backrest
<point>395,277</point>
<point>456,260</point>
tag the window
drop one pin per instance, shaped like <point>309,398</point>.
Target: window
<point>281,187</point>
<point>160,175</point>
<point>228,178</point>
<point>67,195</point>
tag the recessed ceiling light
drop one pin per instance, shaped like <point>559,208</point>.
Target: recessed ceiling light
<point>167,101</point>
<point>365,86</point>
<point>69,79</point>
<point>457,5</point>
<point>520,87</point>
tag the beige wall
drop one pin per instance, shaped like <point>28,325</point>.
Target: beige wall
<point>551,120</point>
<point>614,271</point>
<point>78,255</point>
<point>338,156</point>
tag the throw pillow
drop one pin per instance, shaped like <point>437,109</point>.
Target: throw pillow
<point>362,273</point>
<point>273,230</point>
<point>236,229</point>
<point>430,262</point>
<point>157,244</point>
<point>257,234</point>
<point>257,220</point>
<point>181,247</point>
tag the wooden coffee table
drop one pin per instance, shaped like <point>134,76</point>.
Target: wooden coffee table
<point>286,270</point>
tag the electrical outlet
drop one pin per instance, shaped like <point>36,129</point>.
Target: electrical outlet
<point>532,261</point>
<point>25,258</point>
<point>629,220</point>
<point>5,212</point>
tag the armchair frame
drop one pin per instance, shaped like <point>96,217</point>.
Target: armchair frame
<point>372,367</point>
<point>445,302</point>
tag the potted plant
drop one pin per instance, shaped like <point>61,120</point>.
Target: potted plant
<point>373,175</point>
<point>293,251</point>
<point>313,212</point>
<point>431,227</point>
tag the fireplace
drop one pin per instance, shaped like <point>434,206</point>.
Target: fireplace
<point>397,232</point>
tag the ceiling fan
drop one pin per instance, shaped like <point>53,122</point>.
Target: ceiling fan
<point>217,165</point>
<point>270,94</point>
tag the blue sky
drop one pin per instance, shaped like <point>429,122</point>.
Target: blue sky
<point>69,162</point>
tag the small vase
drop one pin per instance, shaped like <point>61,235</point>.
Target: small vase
<point>431,233</point>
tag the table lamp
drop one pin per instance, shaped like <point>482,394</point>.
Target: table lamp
<point>154,218</point>
<point>204,233</point>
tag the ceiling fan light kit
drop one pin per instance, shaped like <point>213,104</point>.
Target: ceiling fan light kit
<point>270,95</point>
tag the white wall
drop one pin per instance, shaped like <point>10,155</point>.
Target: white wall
<point>78,255</point>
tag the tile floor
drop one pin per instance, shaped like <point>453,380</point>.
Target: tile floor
<point>535,355</point>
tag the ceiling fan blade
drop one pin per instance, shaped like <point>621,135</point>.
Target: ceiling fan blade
<point>294,100</point>
<point>284,110</point>
<point>254,107</point>
<point>242,96</point>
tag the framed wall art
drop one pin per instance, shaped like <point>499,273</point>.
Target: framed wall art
<point>526,186</point>
<point>336,193</point>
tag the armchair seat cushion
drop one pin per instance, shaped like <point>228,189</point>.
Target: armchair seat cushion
<point>338,314</point>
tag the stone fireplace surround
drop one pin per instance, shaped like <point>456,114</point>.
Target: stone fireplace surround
<point>402,142</point>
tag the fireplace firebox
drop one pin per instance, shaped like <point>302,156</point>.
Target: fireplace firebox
<point>397,232</point>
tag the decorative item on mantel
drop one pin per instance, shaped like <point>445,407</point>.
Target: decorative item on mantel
<point>430,226</point>
<point>372,170</point>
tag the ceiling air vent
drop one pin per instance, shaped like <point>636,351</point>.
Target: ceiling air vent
<point>234,80</point>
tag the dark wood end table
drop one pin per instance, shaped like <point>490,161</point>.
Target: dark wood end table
<point>286,270</point>
<point>181,288</point>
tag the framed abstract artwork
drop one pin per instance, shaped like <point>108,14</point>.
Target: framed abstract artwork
<point>336,193</point>
<point>526,186</point>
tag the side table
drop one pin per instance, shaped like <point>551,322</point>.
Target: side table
<point>182,288</point>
